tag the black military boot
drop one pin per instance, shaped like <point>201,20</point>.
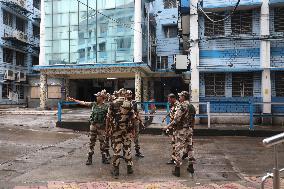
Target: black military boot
<point>129,169</point>
<point>184,156</point>
<point>171,162</point>
<point>176,171</point>
<point>105,160</point>
<point>115,172</point>
<point>139,154</point>
<point>89,160</point>
<point>190,168</point>
<point>107,155</point>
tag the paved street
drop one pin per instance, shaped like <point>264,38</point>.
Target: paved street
<point>41,156</point>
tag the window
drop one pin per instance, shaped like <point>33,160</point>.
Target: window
<point>36,31</point>
<point>102,47</point>
<point>123,43</point>
<point>214,84</point>
<point>279,19</point>
<point>35,61</point>
<point>8,55</point>
<point>7,18</point>
<point>81,38</point>
<point>168,4</point>
<point>21,91</point>
<point>20,59</point>
<point>20,24</point>
<point>54,92</point>
<point>103,28</point>
<point>242,84</point>
<point>36,4</point>
<point>89,52</point>
<point>5,90</point>
<point>170,31</point>
<point>35,92</point>
<point>241,22</point>
<point>162,62</point>
<point>214,28</point>
<point>279,84</point>
<point>81,54</point>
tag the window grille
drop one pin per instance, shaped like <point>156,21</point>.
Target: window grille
<point>170,31</point>
<point>212,28</point>
<point>8,55</point>
<point>241,22</point>
<point>168,4</point>
<point>242,84</point>
<point>279,19</point>
<point>279,84</point>
<point>214,84</point>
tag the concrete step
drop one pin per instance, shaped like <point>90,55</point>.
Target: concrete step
<point>26,112</point>
<point>198,131</point>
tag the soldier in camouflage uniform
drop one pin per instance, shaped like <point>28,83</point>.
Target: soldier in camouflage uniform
<point>173,108</point>
<point>183,124</point>
<point>121,125</point>
<point>137,128</point>
<point>97,127</point>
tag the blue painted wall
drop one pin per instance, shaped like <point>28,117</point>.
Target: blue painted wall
<point>229,3</point>
<point>165,46</point>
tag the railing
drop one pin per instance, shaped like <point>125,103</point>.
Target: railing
<point>59,109</point>
<point>268,142</point>
<point>207,115</point>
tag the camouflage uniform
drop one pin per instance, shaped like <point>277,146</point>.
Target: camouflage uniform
<point>97,131</point>
<point>123,119</point>
<point>172,112</point>
<point>183,124</point>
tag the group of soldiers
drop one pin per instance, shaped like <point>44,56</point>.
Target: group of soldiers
<point>115,119</point>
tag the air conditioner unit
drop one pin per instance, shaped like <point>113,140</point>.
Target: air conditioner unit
<point>20,76</point>
<point>9,75</point>
<point>20,36</point>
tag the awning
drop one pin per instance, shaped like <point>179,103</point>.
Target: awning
<point>276,2</point>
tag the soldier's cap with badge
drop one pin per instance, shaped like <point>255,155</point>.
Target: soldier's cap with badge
<point>128,92</point>
<point>184,93</point>
<point>171,95</point>
<point>100,94</point>
<point>122,91</point>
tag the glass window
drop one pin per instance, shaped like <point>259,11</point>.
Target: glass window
<point>123,43</point>
<point>214,28</point>
<point>21,91</point>
<point>103,28</point>
<point>241,22</point>
<point>36,31</point>
<point>279,19</point>
<point>242,84</point>
<point>35,61</point>
<point>36,4</point>
<point>214,84</point>
<point>279,84</point>
<point>8,55</point>
<point>5,90</point>
<point>170,31</point>
<point>162,62</point>
<point>168,4</point>
<point>20,59</point>
<point>7,18</point>
<point>20,24</point>
<point>102,47</point>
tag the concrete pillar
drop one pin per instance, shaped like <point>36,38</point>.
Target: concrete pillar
<point>138,85</point>
<point>145,89</point>
<point>265,57</point>
<point>43,91</point>
<point>137,31</point>
<point>42,36</point>
<point>152,89</point>
<point>67,87</point>
<point>194,53</point>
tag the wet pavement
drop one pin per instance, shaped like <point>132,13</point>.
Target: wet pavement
<point>34,154</point>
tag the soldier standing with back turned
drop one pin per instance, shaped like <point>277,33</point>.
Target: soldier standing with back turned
<point>121,125</point>
<point>183,124</point>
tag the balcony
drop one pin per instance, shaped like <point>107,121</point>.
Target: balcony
<point>19,6</point>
